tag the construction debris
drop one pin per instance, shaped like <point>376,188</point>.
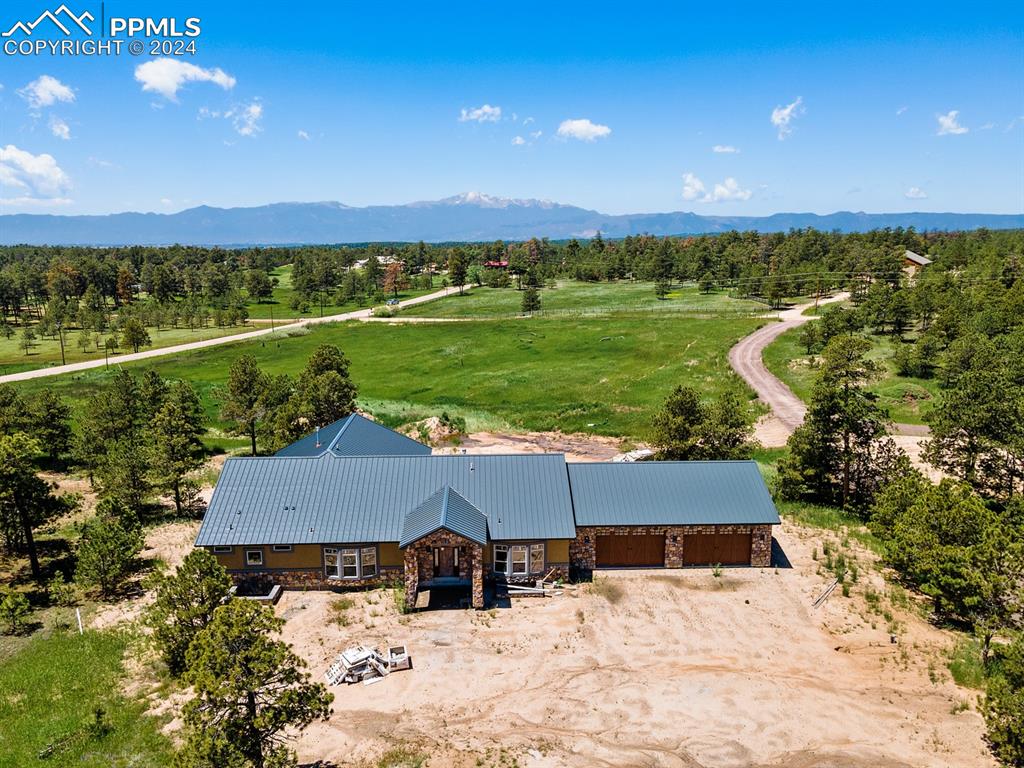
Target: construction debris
<point>360,664</point>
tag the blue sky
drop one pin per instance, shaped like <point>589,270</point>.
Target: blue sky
<point>618,107</point>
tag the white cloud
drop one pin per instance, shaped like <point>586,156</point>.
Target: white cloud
<point>987,126</point>
<point>166,76</point>
<point>484,114</point>
<point>59,128</point>
<point>725,149</point>
<point>915,193</point>
<point>782,117</point>
<point>45,91</point>
<point>536,134</point>
<point>725,191</point>
<point>901,110</point>
<point>518,141</point>
<point>949,125</point>
<point>36,179</point>
<point>583,129</point>
<point>166,201</point>
<point>1013,123</point>
<point>303,135</point>
<point>528,120</point>
<point>246,118</point>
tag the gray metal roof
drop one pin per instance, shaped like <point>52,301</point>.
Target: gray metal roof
<point>355,435</point>
<point>917,258</point>
<point>671,493</point>
<point>333,499</point>
<point>447,509</point>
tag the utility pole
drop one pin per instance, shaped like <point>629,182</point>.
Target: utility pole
<point>60,335</point>
<point>271,319</point>
<point>817,294</point>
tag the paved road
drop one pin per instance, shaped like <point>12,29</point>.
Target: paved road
<point>359,314</point>
<point>745,359</point>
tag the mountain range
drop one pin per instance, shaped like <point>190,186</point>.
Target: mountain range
<point>467,217</point>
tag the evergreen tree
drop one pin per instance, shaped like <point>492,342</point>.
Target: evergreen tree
<point>184,605</point>
<point>706,283</point>
<point>531,301</point>
<point>251,691</point>
<point>244,398</point>
<point>457,270</point>
<point>107,551</point>
<point>49,421</point>
<point>177,429</point>
<point>134,334</point>
<point>1003,706</point>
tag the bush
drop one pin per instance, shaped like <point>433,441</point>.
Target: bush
<point>61,592</point>
<point>107,553</point>
<point>14,610</point>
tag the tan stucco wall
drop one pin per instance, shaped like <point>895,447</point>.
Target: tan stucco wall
<point>301,556</point>
<point>390,555</point>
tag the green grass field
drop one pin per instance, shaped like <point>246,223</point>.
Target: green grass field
<point>278,304</point>
<point>907,399</point>
<point>49,691</point>
<point>576,297</point>
<point>603,375</point>
<point>46,351</point>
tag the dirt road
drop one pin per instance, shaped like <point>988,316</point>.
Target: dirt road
<point>745,359</point>
<point>359,314</point>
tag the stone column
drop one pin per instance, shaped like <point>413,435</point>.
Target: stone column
<point>761,546</point>
<point>477,558</point>
<point>412,576</point>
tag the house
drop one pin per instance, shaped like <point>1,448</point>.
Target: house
<point>357,504</point>
<point>913,263</point>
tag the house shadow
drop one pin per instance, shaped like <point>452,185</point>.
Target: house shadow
<point>779,557</point>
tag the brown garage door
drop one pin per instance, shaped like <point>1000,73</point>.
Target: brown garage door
<point>716,548</point>
<point>631,550</point>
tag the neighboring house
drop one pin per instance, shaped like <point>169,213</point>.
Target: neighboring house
<point>913,263</point>
<point>360,504</point>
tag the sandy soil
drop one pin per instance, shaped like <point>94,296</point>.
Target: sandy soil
<point>576,447</point>
<point>680,669</point>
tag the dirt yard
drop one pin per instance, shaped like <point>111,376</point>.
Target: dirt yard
<point>576,447</point>
<point>653,668</point>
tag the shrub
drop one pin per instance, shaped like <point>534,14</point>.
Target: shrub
<point>14,610</point>
<point>61,592</point>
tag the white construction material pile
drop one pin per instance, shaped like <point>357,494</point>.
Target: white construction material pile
<point>360,664</point>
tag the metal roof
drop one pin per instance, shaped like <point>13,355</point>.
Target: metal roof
<point>917,258</point>
<point>355,499</point>
<point>355,435</point>
<point>671,493</point>
<point>447,509</point>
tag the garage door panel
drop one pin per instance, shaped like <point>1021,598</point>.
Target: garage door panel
<point>636,550</point>
<point>716,549</point>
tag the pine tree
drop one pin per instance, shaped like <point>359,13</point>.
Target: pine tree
<point>251,691</point>
<point>244,398</point>
<point>184,605</point>
<point>177,429</point>
<point>531,301</point>
<point>107,551</point>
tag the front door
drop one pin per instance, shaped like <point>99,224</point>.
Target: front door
<point>446,562</point>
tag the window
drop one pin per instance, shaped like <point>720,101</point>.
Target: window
<point>254,557</point>
<point>500,558</point>
<point>368,561</point>
<point>222,550</point>
<point>536,558</point>
<point>350,562</point>
<point>519,559</point>
<point>282,547</point>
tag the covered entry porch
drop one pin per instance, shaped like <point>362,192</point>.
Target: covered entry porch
<point>443,540</point>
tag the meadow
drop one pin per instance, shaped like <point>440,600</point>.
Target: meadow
<point>568,297</point>
<point>45,352</point>
<point>604,375</point>
<point>906,399</point>
<point>50,692</point>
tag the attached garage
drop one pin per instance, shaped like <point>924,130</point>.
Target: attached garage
<point>717,548</point>
<point>637,550</point>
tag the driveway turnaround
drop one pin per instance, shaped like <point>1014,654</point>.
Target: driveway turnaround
<point>359,314</point>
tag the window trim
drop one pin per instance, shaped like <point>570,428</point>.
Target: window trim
<point>506,552</point>
<point>223,549</point>
<point>357,551</point>
<point>249,563</point>
<point>281,548</point>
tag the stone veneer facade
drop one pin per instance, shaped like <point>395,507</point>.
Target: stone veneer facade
<point>583,555</point>
<point>419,563</point>
<point>312,578</point>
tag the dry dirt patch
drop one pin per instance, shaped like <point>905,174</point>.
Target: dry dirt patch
<point>683,670</point>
